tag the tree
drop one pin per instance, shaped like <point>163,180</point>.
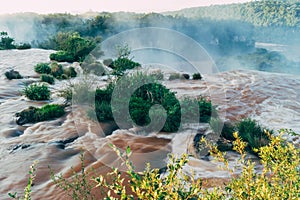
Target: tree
<point>6,41</point>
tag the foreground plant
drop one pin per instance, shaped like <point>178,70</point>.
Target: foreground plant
<point>78,187</point>
<point>249,130</point>
<point>174,184</point>
<point>280,175</point>
<point>37,92</point>
<point>27,190</point>
<point>279,178</point>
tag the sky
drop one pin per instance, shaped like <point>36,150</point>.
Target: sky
<point>80,6</point>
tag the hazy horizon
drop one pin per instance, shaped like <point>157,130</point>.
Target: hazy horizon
<point>81,6</point>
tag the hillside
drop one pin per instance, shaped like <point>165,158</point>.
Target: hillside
<point>258,13</point>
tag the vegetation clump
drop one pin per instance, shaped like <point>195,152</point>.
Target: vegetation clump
<point>197,76</point>
<point>37,92</point>
<point>143,98</point>
<point>33,114</point>
<point>23,46</point>
<point>122,64</point>
<point>123,61</point>
<point>47,78</point>
<point>255,135</point>
<point>12,74</point>
<point>71,47</point>
<point>249,130</point>
<point>42,68</point>
<point>54,70</point>
<point>61,56</point>
<point>6,42</point>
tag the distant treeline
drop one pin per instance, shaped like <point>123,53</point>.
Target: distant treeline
<point>258,13</point>
<point>274,20</point>
<point>221,29</point>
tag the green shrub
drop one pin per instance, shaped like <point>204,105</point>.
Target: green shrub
<point>49,111</point>
<point>144,98</point>
<point>201,108</point>
<point>23,46</point>
<point>72,47</point>
<point>6,42</point>
<point>33,114</point>
<point>42,68</point>
<point>37,92</point>
<point>103,111</point>
<point>147,96</point>
<point>251,132</point>
<point>103,103</point>
<point>120,65</point>
<point>12,74</point>
<point>140,102</point>
<point>227,131</point>
<point>206,109</point>
<point>67,94</point>
<point>197,76</point>
<point>47,78</point>
<point>248,129</point>
<point>57,70</point>
<point>62,56</point>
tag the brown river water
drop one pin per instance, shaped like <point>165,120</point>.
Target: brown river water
<point>271,99</point>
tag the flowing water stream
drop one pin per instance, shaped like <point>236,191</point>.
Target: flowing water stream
<point>272,99</point>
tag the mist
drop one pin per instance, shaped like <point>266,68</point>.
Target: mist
<point>232,43</point>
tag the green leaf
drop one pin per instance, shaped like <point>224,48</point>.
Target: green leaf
<point>14,196</point>
<point>128,151</point>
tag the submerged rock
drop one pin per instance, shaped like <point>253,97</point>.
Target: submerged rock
<point>26,116</point>
<point>12,74</point>
<point>186,76</point>
<point>201,149</point>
